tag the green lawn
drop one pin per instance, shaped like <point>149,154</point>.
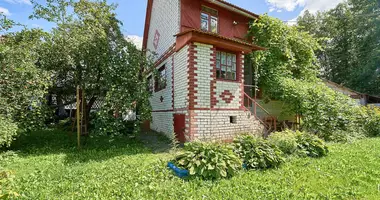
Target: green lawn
<point>48,166</point>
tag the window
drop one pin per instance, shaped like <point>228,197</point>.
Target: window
<point>233,119</point>
<point>225,66</point>
<point>209,19</point>
<point>160,81</point>
<point>150,84</point>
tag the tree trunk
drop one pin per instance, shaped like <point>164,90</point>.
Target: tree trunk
<point>88,109</point>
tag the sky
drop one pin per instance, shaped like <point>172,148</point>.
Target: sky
<point>132,12</point>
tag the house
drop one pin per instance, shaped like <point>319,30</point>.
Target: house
<point>360,98</point>
<point>199,48</point>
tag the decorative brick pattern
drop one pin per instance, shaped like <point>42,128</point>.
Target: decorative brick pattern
<point>227,96</point>
<point>224,100</point>
<point>203,75</point>
<point>192,80</point>
<point>165,19</point>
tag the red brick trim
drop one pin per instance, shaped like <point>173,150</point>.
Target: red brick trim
<point>213,99</point>
<point>240,67</point>
<point>192,80</point>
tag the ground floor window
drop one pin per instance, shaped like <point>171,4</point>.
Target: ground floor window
<point>225,65</point>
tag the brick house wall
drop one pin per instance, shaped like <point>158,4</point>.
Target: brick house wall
<point>164,25</point>
<point>213,108</point>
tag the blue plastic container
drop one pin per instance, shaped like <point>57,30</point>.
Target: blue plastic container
<point>182,173</point>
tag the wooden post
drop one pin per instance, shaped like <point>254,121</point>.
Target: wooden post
<point>79,127</point>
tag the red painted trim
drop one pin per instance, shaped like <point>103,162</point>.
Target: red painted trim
<point>238,8</point>
<point>149,8</point>
<point>173,82</point>
<point>218,41</point>
<point>165,56</point>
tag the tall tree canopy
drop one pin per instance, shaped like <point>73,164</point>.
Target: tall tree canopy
<point>87,48</point>
<point>288,71</point>
<point>350,35</point>
<point>22,84</point>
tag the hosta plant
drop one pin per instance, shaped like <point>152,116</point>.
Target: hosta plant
<point>257,153</point>
<point>209,160</point>
<point>310,145</point>
<point>286,141</point>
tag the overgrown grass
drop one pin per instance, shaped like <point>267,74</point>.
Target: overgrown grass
<point>48,166</point>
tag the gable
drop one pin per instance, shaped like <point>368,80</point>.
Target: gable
<point>162,23</point>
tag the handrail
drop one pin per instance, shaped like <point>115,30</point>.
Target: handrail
<point>251,101</point>
<point>250,98</point>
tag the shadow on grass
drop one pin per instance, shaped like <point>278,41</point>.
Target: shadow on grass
<point>54,141</point>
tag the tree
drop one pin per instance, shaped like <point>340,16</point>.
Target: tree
<point>87,48</point>
<point>288,71</point>
<point>22,84</point>
<point>351,35</point>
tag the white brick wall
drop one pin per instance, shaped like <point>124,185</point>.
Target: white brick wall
<point>203,71</point>
<point>155,100</point>
<point>181,78</point>
<point>232,87</point>
<point>215,125</point>
<point>166,19</point>
<point>162,122</point>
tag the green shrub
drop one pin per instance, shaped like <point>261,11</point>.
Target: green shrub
<point>372,121</point>
<point>286,141</point>
<point>8,131</point>
<point>209,160</point>
<point>257,153</point>
<point>310,145</point>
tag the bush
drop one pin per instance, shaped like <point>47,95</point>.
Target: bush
<point>286,141</point>
<point>209,160</point>
<point>257,153</point>
<point>372,121</point>
<point>107,124</point>
<point>310,145</point>
<point>8,131</point>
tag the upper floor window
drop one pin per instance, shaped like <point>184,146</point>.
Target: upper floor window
<point>160,81</point>
<point>225,66</point>
<point>209,19</point>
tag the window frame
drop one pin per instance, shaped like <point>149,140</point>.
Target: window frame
<point>150,81</point>
<point>207,11</point>
<point>231,66</point>
<point>160,81</point>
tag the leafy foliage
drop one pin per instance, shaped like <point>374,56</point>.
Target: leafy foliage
<point>257,153</point>
<point>351,53</point>
<point>287,71</point>
<point>209,160</point>
<point>87,48</point>
<point>8,131</point>
<point>286,141</point>
<point>22,84</point>
<point>310,145</point>
<point>371,121</point>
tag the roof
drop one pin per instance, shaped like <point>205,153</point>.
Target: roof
<point>234,8</point>
<point>221,37</point>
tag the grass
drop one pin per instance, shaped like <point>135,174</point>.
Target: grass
<point>46,165</point>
